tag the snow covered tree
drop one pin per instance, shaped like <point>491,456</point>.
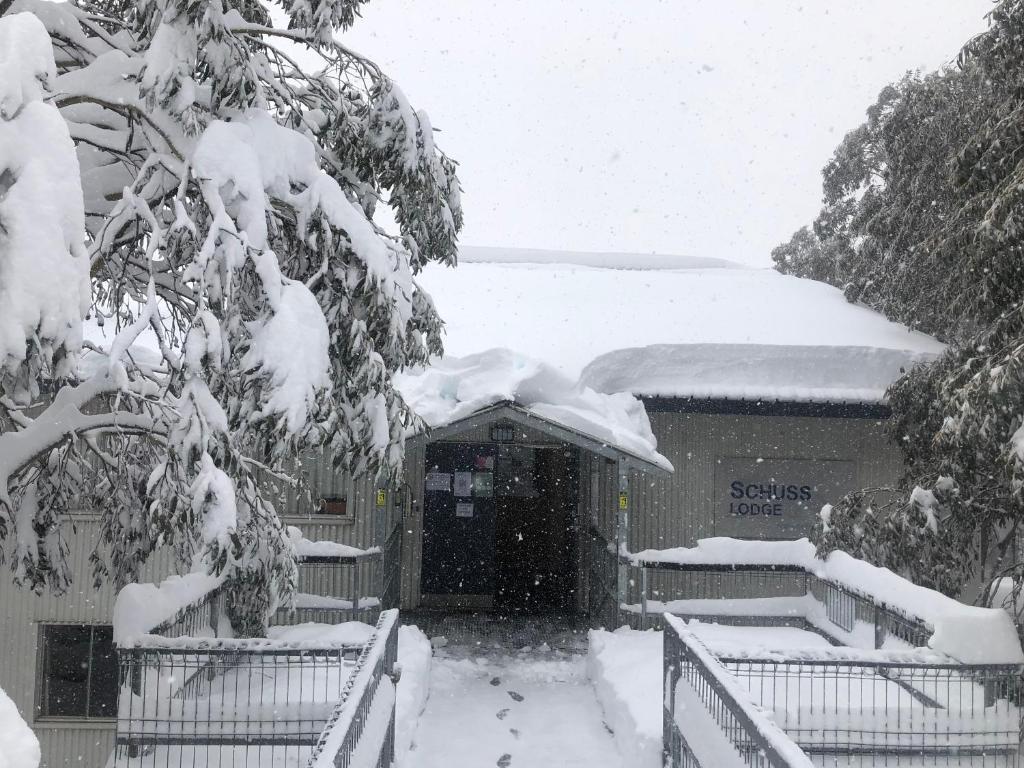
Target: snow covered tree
<point>930,218</point>
<point>232,155</point>
<point>887,189</point>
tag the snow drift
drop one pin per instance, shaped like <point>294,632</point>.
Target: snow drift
<point>139,608</point>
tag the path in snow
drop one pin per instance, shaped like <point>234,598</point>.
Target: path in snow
<point>527,710</point>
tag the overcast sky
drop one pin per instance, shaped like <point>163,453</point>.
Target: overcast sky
<point>674,127</point>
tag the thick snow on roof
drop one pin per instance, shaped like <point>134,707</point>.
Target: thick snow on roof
<point>566,312</point>
<point>750,371</point>
<point>454,388</point>
<point>477,254</point>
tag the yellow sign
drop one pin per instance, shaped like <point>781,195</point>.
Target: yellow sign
<point>382,497</point>
<point>623,501</point>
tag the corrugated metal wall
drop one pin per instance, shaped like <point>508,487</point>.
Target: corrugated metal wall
<point>86,744</point>
<point>676,511</point>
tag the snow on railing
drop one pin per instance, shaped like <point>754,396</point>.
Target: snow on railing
<point>201,699</point>
<point>179,606</point>
<point>361,729</point>
<point>709,719</point>
<point>851,591</point>
<point>839,705</point>
<point>192,693</point>
<point>337,582</point>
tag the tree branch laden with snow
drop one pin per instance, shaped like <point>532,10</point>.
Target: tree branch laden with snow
<point>230,167</point>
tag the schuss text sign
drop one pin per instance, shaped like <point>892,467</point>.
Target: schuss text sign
<point>775,498</point>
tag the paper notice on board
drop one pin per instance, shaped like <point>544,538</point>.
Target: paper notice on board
<point>463,483</point>
<point>439,481</point>
<point>464,509</point>
<point>483,485</point>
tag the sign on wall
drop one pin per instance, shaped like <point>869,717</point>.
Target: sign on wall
<point>776,498</point>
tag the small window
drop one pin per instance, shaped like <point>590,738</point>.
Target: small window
<point>336,506</point>
<point>78,676</point>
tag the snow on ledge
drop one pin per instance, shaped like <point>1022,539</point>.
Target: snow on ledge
<point>956,626</point>
<point>139,608</point>
<point>306,548</point>
<point>451,389</point>
<point>754,371</point>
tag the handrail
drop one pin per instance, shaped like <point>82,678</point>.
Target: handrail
<point>188,619</point>
<point>756,739</point>
<point>886,619</point>
<point>360,697</point>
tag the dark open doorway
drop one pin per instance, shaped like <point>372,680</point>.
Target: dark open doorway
<point>499,526</point>
<point>535,545</point>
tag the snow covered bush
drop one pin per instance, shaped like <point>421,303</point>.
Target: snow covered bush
<point>218,212</point>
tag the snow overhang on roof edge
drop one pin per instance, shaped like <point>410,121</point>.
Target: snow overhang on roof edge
<point>765,406</point>
<point>512,411</point>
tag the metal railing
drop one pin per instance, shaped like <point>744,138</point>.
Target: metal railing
<point>190,698</point>
<point>877,711</point>
<point>603,573</point>
<point>336,588</point>
<point>199,618</point>
<point>846,611</point>
<point>391,569</point>
<point>706,721</point>
<point>363,724</point>
<point>212,705</point>
<point>837,707</point>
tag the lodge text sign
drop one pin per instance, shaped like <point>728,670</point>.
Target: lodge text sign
<point>775,498</point>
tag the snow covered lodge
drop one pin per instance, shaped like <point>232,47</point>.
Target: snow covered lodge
<point>589,404</point>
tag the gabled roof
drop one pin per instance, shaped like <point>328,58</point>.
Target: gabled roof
<point>455,394</point>
<point>510,412</point>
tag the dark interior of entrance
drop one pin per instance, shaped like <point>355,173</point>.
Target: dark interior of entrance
<point>499,523</point>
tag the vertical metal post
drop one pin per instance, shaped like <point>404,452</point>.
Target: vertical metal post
<point>622,540</point>
<point>356,588</point>
<point>381,512</point>
<point>879,627</point>
<point>643,597</point>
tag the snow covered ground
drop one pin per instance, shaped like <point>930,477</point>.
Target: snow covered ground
<point>19,747</point>
<point>533,709</point>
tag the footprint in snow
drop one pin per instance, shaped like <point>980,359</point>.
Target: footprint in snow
<point>515,696</point>
<point>505,760</point>
<point>495,681</point>
<point>502,714</point>
<point>514,732</point>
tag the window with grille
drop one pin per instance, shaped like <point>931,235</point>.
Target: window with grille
<point>78,673</point>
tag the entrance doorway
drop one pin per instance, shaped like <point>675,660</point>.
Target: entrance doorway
<point>499,527</point>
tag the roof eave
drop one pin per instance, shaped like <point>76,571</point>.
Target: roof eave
<point>512,411</point>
